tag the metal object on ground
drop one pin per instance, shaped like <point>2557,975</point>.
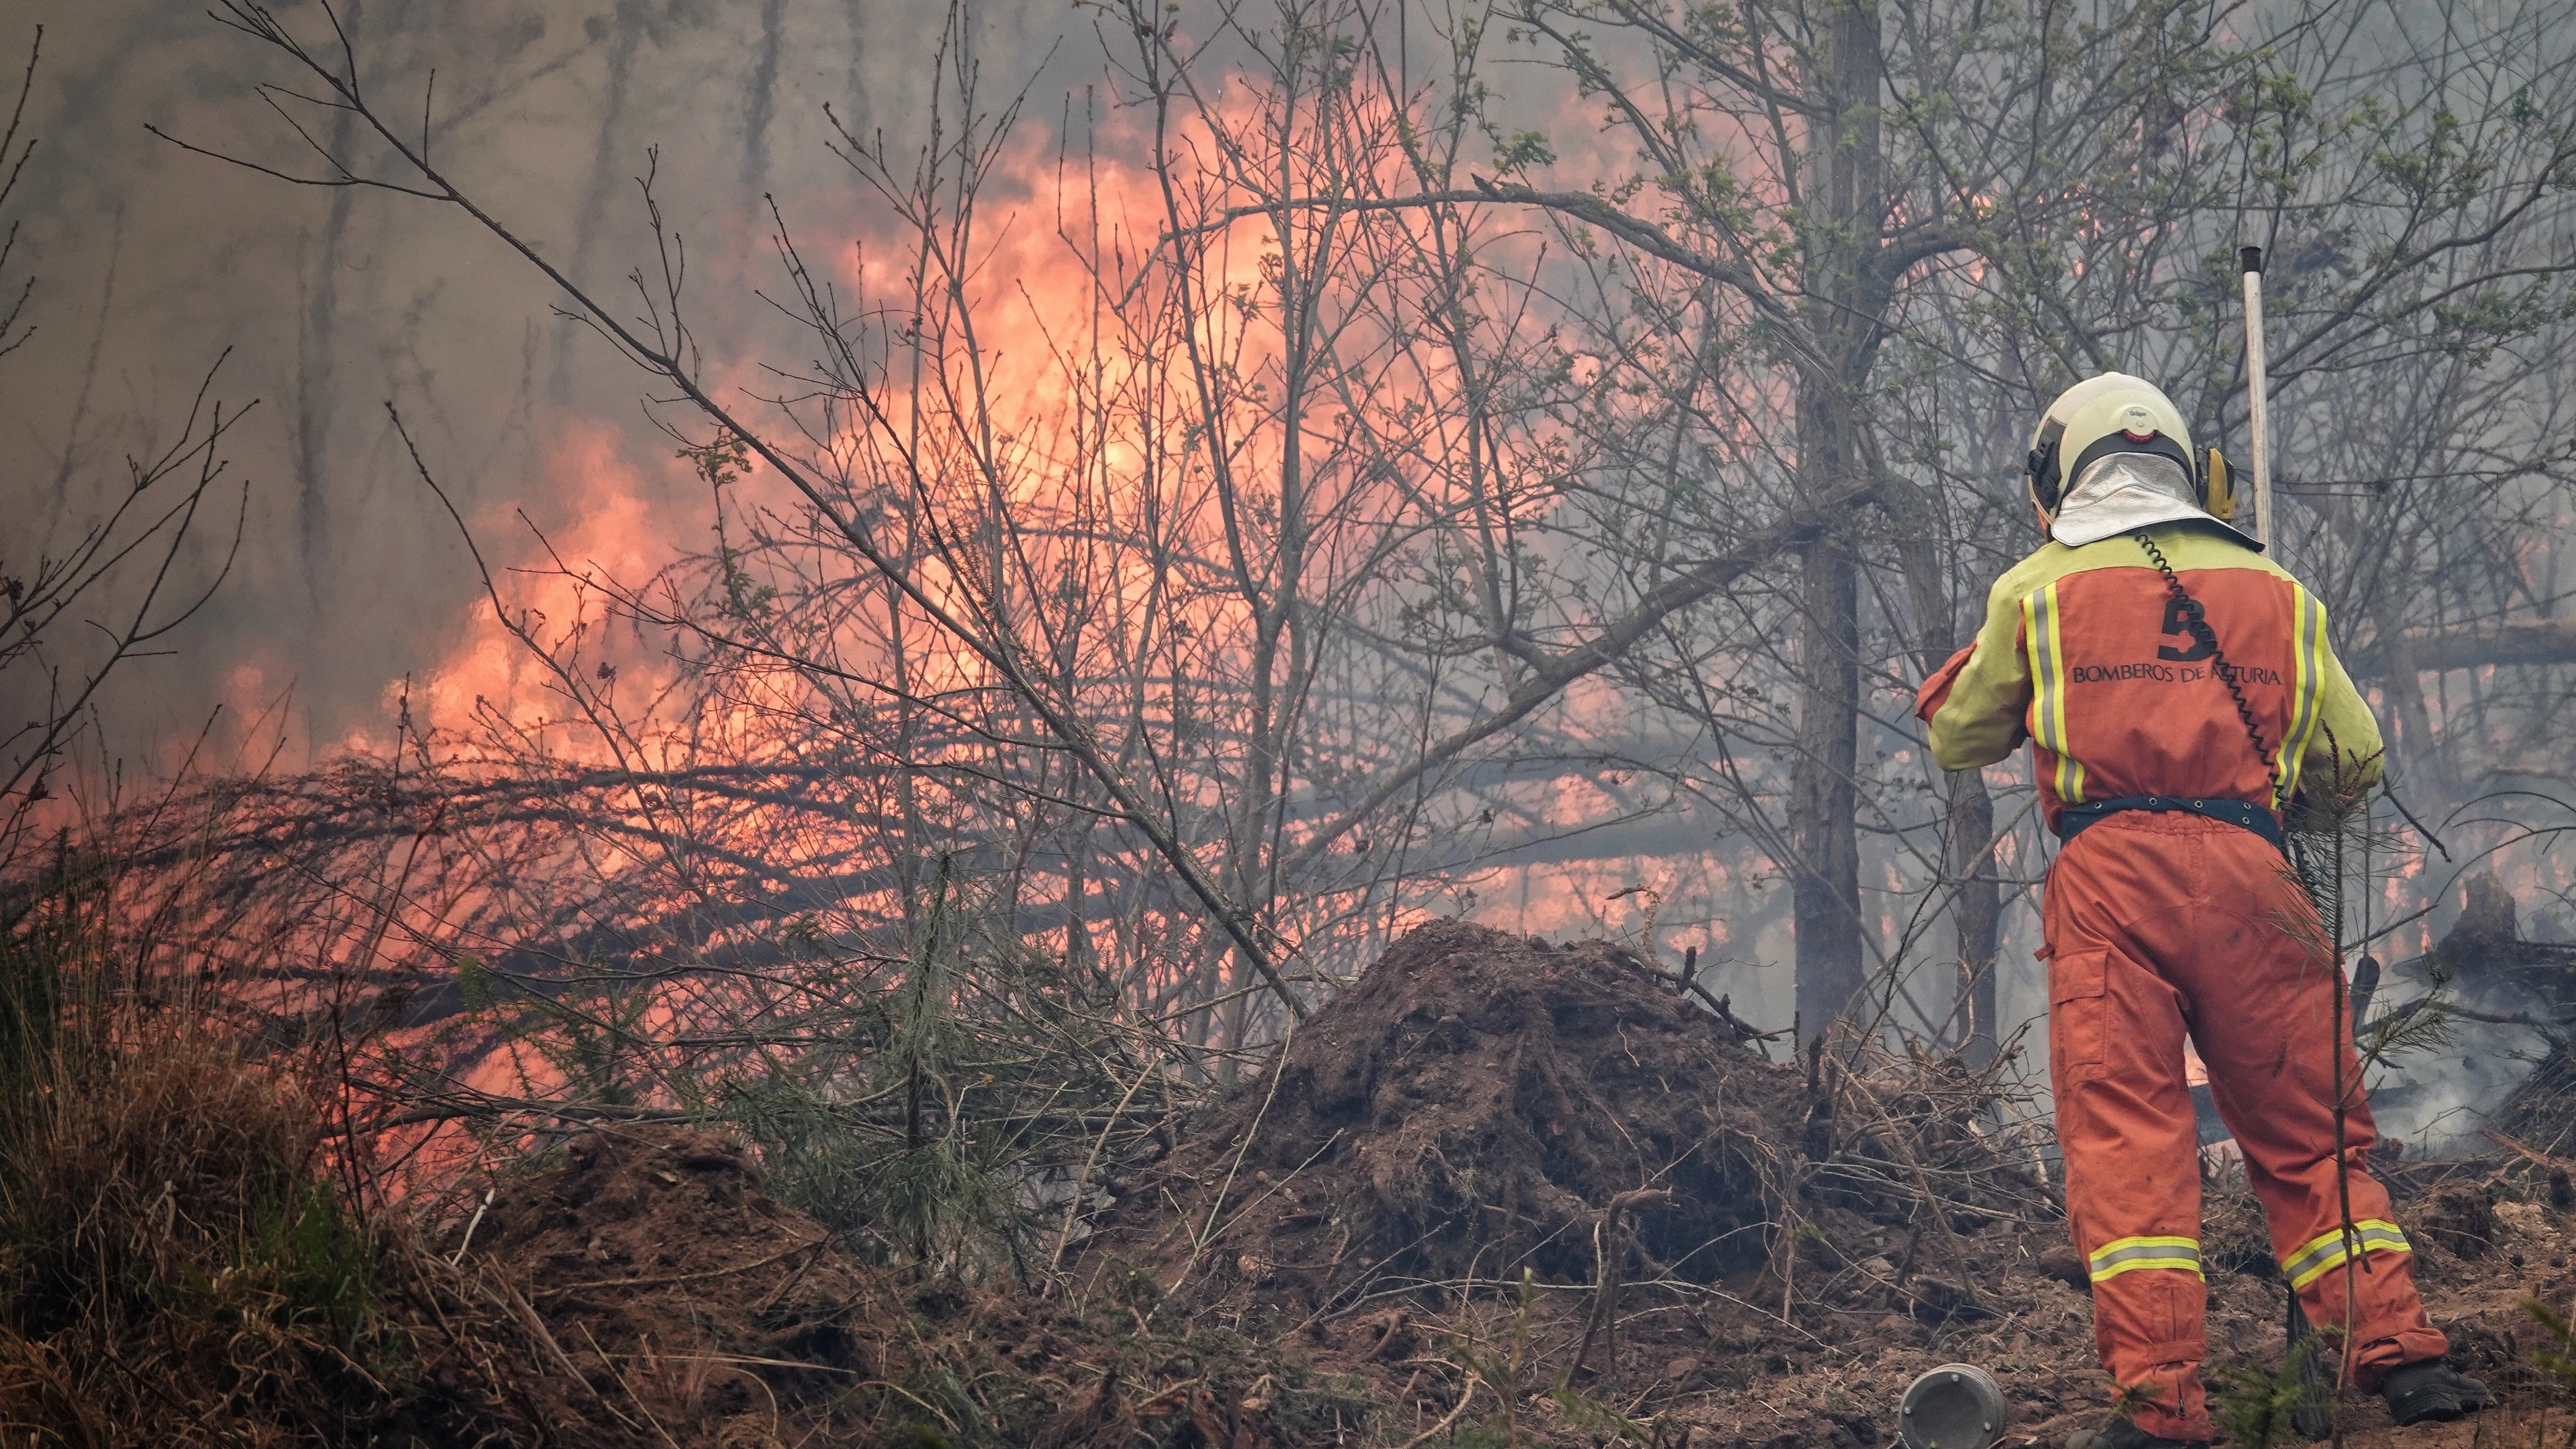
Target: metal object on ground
<point>1955,1406</point>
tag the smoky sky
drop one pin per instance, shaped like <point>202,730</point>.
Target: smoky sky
<point>149,263</point>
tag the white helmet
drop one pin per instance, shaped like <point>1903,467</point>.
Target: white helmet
<point>2113,455</point>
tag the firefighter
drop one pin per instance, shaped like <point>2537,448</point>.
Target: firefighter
<point>2177,688</point>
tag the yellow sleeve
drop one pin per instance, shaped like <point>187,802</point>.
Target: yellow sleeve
<point>1977,705</point>
<point>2344,725</point>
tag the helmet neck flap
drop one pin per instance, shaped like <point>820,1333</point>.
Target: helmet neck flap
<point>2112,455</point>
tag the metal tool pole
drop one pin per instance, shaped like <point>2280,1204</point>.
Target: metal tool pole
<point>2258,387</point>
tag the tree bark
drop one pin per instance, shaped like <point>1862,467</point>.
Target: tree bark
<point>1825,889</point>
<point>2402,683</point>
<point>1978,913</point>
<point>1976,900</point>
<point>1845,184</point>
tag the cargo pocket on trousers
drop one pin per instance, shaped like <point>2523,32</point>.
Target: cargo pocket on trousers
<point>2078,1016</point>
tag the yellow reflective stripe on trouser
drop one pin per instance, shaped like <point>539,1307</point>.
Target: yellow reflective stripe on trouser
<point>2128,1255</point>
<point>2047,650</point>
<point>2328,1251</point>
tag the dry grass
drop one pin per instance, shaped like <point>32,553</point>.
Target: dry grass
<point>173,1268</point>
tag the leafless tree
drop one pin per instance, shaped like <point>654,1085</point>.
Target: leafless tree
<point>80,599</point>
<point>1334,490</point>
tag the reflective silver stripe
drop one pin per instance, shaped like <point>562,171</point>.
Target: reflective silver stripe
<point>2327,1252</point>
<point>2128,1255</point>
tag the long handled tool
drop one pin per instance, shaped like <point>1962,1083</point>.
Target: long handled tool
<point>2258,389</point>
<point>2311,1418</point>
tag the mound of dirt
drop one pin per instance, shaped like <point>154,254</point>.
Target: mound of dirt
<point>664,1277</point>
<point>1479,1102</point>
<point>1470,1108</point>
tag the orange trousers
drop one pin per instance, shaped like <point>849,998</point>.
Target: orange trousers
<point>2160,926</point>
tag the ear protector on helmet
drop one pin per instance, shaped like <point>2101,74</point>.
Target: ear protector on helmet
<point>2217,490</point>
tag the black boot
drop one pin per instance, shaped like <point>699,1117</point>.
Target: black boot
<point>2124,1433</point>
<point>2431,1389</point>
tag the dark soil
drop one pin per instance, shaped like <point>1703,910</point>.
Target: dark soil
<point>669,1284</point>
<point>1466,1111</point>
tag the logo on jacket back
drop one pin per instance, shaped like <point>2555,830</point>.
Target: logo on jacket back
<point>2180,615</point>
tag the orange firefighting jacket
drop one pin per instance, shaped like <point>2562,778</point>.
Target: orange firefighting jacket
<point>2086,653</point>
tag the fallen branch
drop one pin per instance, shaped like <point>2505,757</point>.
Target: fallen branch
<point>1722,1006</point>
<point>2491,1018</point>
<point>2538,1158</point>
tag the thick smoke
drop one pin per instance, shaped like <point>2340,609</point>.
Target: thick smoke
<point>150,262</point>
<point>2505,982</point>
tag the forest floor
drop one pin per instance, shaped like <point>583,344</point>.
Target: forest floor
<point>1335,1253</point>
<point>1498,1192</point>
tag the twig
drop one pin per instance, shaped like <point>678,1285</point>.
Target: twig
<point>2420,828</point>
<point>1609,1255</point>
<point>1723,1006</point>
<point>1455,1410</point>
<point>527,1315</point>
<point>1082,1179</point>
<point>636,1398</point>
<point>685,1277</point>
<point>475,1222</point>
<point>1208,1231</point>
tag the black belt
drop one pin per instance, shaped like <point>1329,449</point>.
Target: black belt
<point>2243,814</point>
